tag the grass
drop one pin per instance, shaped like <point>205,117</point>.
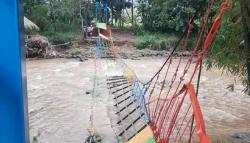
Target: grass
<point>60,37</point>
<point>155,41</point>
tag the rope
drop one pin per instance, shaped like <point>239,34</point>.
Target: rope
<point>200,70</point>
<point>186,69</point>
<point>94,137</point>
<point>167,106</point>
<point>197,92</point>
<point>177,44</point>
<point>170,118</point>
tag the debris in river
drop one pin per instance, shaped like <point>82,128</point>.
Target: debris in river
<point>39,46</point>
<point>244,137</point>
<point>93,139</point>
<point>82,58</point>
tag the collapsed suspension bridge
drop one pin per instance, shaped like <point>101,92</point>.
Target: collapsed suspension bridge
<point>165,109</point>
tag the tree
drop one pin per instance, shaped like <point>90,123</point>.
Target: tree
<point>59,20</point>
<point>226,52</point>
<point>231,48</point>
<point>117,7</point>
<point>53,15</point>
<point>245,10</point>
<point>37,11</point>
<point>169,15</point>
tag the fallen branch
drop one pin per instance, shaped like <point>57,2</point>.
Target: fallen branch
<point>63,45</point>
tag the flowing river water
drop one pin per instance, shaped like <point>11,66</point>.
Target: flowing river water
<point>59,100</point>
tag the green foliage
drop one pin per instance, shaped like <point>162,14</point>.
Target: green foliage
<point>37,11</point>
<point>169,15</point>
<point>226,52</point>
<point>60,37</point>
<point>117,8</point>
<point>58,20</point>
<point>87,12</point>
<point>155,41</point>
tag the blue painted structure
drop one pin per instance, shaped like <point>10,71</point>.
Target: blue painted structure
<point>13,102</point>
<point>102,6</point>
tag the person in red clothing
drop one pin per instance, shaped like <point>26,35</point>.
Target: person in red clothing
<point>107,32</point>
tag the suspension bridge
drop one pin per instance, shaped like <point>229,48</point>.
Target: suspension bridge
<point>164,109</point>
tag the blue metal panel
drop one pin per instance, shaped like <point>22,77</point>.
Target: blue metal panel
<point>13,102</point>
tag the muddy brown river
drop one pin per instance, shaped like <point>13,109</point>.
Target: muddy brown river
<point>60,103</point>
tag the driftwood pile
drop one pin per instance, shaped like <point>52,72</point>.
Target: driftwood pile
<point>39,46</point>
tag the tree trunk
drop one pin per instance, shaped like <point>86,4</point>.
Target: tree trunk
<point>132,11</point>
<point>112,15</point>
<point>81,16</point>
<point>245,10</point>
